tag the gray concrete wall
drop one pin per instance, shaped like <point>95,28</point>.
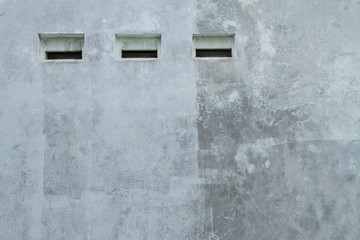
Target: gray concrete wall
<point>264,146</point>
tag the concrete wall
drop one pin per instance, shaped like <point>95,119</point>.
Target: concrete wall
<point>264,146</point>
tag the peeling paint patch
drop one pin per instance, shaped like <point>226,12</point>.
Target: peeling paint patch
<point>234,96</point>
<point>267,164</point>
<point>265,40</point>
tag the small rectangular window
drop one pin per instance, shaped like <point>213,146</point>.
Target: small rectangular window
<point>139,54</point>
<point>213,52</point>
<point>214,45</point>
<point>63,55</point>
<point>137,46</point>
<point>61,46</point>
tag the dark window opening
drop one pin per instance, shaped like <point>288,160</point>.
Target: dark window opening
<point>213,53</point>
<point>64,55</point>
<point>139,53</point>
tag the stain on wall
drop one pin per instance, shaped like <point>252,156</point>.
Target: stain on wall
<point>274,147</point>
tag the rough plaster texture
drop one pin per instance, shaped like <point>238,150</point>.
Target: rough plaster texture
<point>264,146</point>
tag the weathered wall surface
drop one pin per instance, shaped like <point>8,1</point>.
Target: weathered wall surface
<point>279,126</point>
<point>263,146</point>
